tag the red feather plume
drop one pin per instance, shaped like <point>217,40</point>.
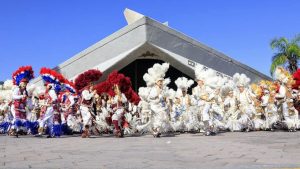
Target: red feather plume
<point>124,83</point>
<point>85,78</point>
<point>296,77</point>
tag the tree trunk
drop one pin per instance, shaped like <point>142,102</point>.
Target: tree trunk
<point>293,64</point>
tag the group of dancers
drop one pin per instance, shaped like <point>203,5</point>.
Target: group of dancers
<point>91,105</point>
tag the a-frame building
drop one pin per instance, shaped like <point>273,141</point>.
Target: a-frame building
<point>143,42</point>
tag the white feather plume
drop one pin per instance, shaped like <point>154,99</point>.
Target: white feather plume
<point>158,71</point>
<point>207,75</point>
<point>279,75</point>
<point>241,79</point>
<point>144,92</point>
<point>227,87</point>
<point>170,94</point>
<point>6,95</point>
<point>183,83</point>
<point>8,85</point>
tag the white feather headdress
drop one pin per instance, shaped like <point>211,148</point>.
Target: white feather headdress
<point>227,87</point>
<point>241,79</point>
<point>155,73</point>
<point>217,82</point>
<point>204,74</point>
<point>280,75</point>
<point>183,83</point>
<point>8,85</point>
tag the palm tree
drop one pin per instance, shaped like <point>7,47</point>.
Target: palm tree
<point>288,53</point>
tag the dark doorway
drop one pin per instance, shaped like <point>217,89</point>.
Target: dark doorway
<point>138,68</point>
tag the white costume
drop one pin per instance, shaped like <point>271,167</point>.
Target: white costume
<point>203,96</point>
<point>86,105</point>
<point>187,112</point>
<point>158,106</point>
<point>287,113</point>
<point>118,107</point>
<point>160,117</point>
<point>144,106</point>
<point>245,101</point>
<point>270,111</point>
<point>52,106</point>
<point>231,114</point>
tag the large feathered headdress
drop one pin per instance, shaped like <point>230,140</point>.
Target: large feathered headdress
<point>124,84</point>
<point>241,79</point>
<point>23,74</point>
<point>155,73</point>
<point>86,78</point>
<point>183,83</point>
<point>283,76</point>
<point>204,74</point>
<point>58,80</point>
<point>227,87</point>
<point>52,77</point>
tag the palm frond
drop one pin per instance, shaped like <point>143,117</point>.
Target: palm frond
<point>293,50</point>
<point>278,56</point>
<point>279,44</point>
<point>278,61</point>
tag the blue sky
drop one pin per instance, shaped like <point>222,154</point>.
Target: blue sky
<point>46,33</point>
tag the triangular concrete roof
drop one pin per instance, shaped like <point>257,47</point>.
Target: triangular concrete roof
<point>147,38</point>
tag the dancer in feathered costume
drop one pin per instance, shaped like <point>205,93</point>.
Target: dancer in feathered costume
<point>217,105</point>
<point>231,107</point>
<point>284,99</point>
<point>20,78</point>
<point>258,116</point>
<point>203,96</point>
<point>104,107</point>
<point>5,121</point>
<point>270,110</point>
<point>119,102</point>
<point>84,84</point>
<point>6,117</point>
<point>143,106</point>
<point>154,79</point>
<point>68,108</point>
<point>245,100</point>
<point>186,113</point>
<point>296,86</point>
<point>32,124</point>
<point>102,114</point>
<point>51,119</point>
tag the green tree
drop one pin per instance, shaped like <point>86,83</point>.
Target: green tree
<point>288,53</point>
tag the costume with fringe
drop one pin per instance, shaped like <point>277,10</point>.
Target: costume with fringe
<point>20,95</point>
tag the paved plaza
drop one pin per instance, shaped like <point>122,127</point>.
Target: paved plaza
<point>226,150</point>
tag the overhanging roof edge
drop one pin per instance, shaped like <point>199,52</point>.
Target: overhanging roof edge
<point>106,40</point>
<point>151,22</point>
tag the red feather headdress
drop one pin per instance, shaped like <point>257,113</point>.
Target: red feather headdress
<point>124,83</point>
<point>86,78</point>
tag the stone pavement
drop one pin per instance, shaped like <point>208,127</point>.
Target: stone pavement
<point>226,150</point>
